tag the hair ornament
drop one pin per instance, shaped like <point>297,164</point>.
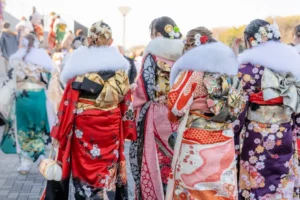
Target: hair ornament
<point>173,32</point>
<point>264,34</point>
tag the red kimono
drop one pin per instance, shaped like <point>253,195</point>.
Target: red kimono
<point>94,119</point>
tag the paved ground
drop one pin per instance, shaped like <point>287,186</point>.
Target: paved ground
<point>18,187</point>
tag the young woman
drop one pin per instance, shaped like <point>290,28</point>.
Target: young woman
<point>38,24</point>
<point>31,68</point>
<point>207,97</point>
<point>23,28</point>
<point>150,155</point>
<point>269,70</point>
<point>94,118</point>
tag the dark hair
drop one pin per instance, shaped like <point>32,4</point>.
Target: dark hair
<point>190,37</point>
<point>6,25</point>
<point>160,24</point>
<point>31,38</point>
<point>291,44</point>
<point>253,28</point>
<point>151,27</point>
<point>297,31</point>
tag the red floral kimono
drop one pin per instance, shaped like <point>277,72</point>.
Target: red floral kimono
<point>94,119</point>
<point>150,155</point>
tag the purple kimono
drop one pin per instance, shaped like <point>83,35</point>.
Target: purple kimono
<point>265,131</point>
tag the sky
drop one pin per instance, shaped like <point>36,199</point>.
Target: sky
<point>187,14</point>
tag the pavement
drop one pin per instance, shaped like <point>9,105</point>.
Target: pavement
<point>14,186</point>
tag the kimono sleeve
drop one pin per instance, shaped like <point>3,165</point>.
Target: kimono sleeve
<point>145,83</point>
<point>250,77</point>
<point>180,98</point>
<point>65,115</point>
<point>128,119</point>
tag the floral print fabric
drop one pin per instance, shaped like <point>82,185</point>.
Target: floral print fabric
<point>205,167</point>
<point>150,155</point>
<point>268,159</point>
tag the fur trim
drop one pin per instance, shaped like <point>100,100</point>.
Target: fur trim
<point>25,24</point>
<point>298,48</point>
<point>212,57</point>
<point>93,59</point>
<point>8,31</point>
<point>59,21</point>
<point>170,49</point>
<point>35,56</point>
<point>274,55</point>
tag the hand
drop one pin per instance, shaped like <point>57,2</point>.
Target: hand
<point>236,45</point>
<point>55,143</point>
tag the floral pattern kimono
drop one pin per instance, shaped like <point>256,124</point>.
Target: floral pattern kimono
<point>150,155</point>
<point>94,119</point>
<point>268,148</point>
<point>27,119</point>
<point>37,22</point>
<point>207,102</point>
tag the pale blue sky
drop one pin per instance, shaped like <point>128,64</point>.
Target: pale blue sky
<point>187,14</point>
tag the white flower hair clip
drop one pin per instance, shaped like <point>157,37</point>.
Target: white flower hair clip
<point>265,33</point>
<point>173,32</point>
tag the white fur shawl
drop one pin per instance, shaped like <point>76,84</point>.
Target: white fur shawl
<point>274,55</point>
<point>36,56</point>
<point>212,57</point>
<point>170,49</point>
<point>25,24</point>
<point>93,59</point>
<point>298,48</point>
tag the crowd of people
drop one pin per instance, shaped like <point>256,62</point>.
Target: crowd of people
<point>205,121</point>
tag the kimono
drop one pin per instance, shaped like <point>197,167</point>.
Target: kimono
<point>268,149</point>
<point>23,28</point>
<point>150,155</point>
<point>60,30</point>
<point>206,97</point>
<point>51,35</point>
<point>37,22</point>
<point>26,117</point>
<point>67,41</point>
<point>56,88</point>
<point>94,119</point>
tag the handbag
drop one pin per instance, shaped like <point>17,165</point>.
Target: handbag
<point>50,169</point>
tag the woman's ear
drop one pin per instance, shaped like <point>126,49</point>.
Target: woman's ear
<point>110,42</point>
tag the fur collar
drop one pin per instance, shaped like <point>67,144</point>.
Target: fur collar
<point>274,55</point>
<point>93,59</point>
<point>170,49</point>
<point>298,48</point>
<point>24,24</point>
<point>212,57</point>
<point>35,56</point>
<point>8,31</point>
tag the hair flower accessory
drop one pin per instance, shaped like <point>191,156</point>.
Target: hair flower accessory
<point>173,32</point>
<point>200,39</point>
<point>265,33</point>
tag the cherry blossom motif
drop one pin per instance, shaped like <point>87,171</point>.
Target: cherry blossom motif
<point>87,191</point>
<point>257,141</point>
<point>269,144</point>
<point>78,133</point>
<point>262,157</point>
<point>272,188</point>
<point>95,151</point>
<point>260,165</point>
